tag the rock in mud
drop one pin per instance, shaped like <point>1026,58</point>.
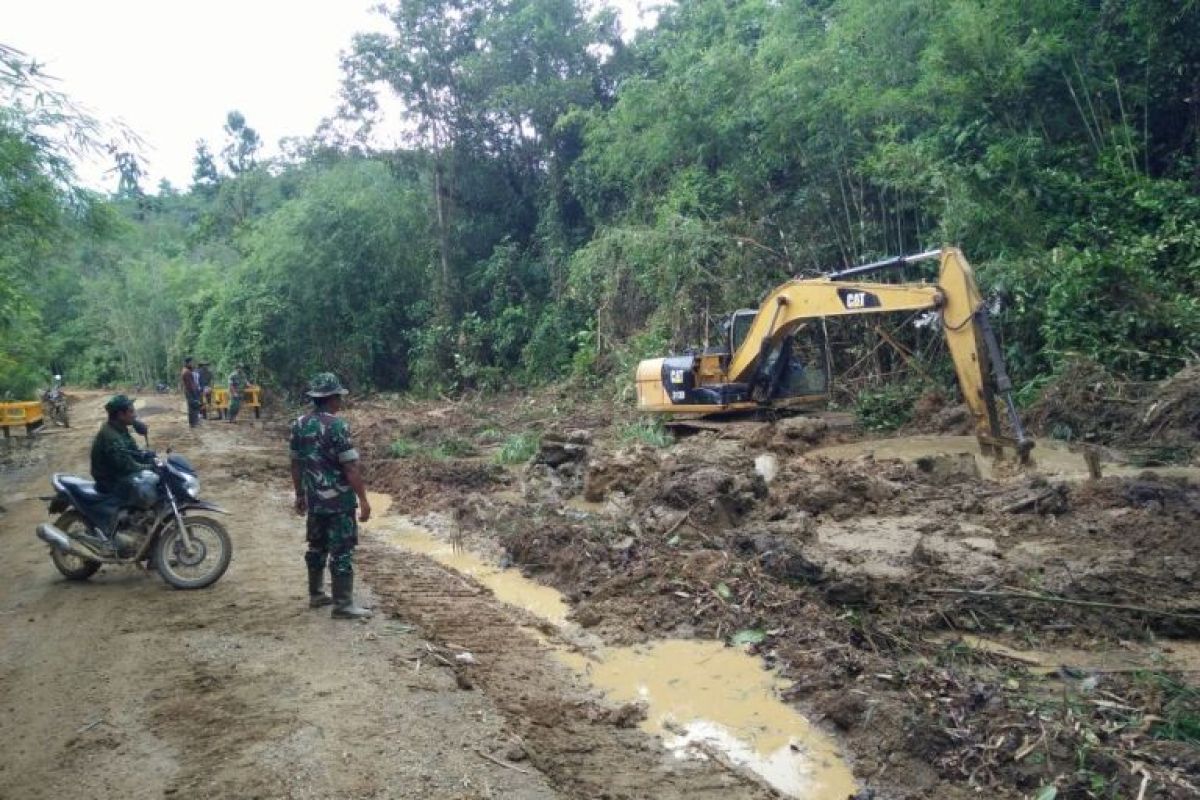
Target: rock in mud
<point>586,616</point>
<point>627,715</point>
<point>554,453</point>
<point>845,710</point>
<point>781,556</point>
<point>622,471</point>
<point>955,419</point>
<point>854,592</point>
<point>687,488</point>
<point>579,436</point>
<point>949,465</point>
<point>515,752</point>
<point>805,429</point>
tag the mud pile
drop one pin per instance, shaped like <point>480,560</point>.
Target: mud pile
<point>425,475</point>
<point>1154,422</point>
<point>915,606</point>
<point>856,580</point>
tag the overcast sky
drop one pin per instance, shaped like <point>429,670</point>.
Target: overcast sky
<point>171,70</point>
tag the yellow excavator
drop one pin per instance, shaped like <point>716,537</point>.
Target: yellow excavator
<point>756,368</point>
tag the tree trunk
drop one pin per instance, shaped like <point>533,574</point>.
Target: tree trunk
<point>439,201</point>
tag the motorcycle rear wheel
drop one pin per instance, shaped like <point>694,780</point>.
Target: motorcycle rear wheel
<point>72,567</point>
<point>171,559</point>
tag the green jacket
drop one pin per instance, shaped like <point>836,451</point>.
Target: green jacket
<point>114,457</point>
<point>320,442</point>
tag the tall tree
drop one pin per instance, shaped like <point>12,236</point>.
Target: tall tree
<point>241,144</point>
<point>205,177</point>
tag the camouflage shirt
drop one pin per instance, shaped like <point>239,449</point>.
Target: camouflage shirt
<point>114,456</point>
<point>321,443</point>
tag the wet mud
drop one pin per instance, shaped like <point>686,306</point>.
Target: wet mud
<point>704,700</point>
<point>910,596</point>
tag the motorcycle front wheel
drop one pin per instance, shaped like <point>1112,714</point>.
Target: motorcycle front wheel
<point>203,563</point>
<point>71,566</point>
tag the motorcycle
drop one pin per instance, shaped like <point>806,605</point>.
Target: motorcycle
<point>54,406</point>
<point>159,528</point>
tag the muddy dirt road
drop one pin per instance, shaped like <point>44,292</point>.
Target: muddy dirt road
<point>123,687</point>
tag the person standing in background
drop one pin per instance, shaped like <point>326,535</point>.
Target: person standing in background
<point>237,385</point>
<point>205,377</point>
<point>189,384</point>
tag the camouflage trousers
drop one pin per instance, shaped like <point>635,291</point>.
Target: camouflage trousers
<point>332,537</point>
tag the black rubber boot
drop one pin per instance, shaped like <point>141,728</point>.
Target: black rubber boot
<point>316,591</point>
<point>343,599</point>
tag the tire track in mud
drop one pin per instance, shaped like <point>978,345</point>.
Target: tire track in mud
<point>584,748</point>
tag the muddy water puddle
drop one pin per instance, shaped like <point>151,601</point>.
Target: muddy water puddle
<point>1050,457</point>
<point>703,699</point>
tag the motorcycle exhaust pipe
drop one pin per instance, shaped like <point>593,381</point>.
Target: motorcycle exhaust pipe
<point>60,541</point>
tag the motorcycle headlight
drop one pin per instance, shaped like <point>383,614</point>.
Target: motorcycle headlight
<point>191,485</point>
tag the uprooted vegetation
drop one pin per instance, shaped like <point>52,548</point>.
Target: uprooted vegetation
<point>1154,422</point>
<point>966,637</point>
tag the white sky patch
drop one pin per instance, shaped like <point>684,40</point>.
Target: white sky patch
<point>171,71</point>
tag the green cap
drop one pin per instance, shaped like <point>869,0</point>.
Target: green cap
<point>118,402</point>
<point>325,384</point>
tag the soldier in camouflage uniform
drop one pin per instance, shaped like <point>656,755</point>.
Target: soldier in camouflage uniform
<point>326,477</point>
<point>116,458</point>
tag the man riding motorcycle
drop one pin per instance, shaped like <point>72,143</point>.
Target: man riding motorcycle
<point>116,459</point>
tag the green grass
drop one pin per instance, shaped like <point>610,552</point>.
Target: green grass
<point>451,447</point>
<point>647,431</point>
<point>489,436</point>
<point>518,448</point>
<point>1180,709</point>
<point>403,448</point>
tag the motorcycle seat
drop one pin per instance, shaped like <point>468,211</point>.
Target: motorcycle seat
<point>81,490</point>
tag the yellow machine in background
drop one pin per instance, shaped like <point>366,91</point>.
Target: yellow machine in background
<point>755,367</point>
<point>251,398</point>
<point>21,415</point>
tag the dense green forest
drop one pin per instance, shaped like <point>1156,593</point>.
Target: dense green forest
<point>568,200</point>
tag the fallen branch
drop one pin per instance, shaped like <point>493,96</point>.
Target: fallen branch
<point>504,764</point>
<point>686,516</point>
<point>1044,598</point>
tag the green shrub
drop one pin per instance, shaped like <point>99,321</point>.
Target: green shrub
<point>888,408</point>
<point>648,431</point>
<point>489,436</point>
<point>453,447</point>
<point>1180,709</point>
<point>518,448</point>
<point>403,448</point>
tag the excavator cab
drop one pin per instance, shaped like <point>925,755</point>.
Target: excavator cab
<point>736,326</point>
<point>792,370</point>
